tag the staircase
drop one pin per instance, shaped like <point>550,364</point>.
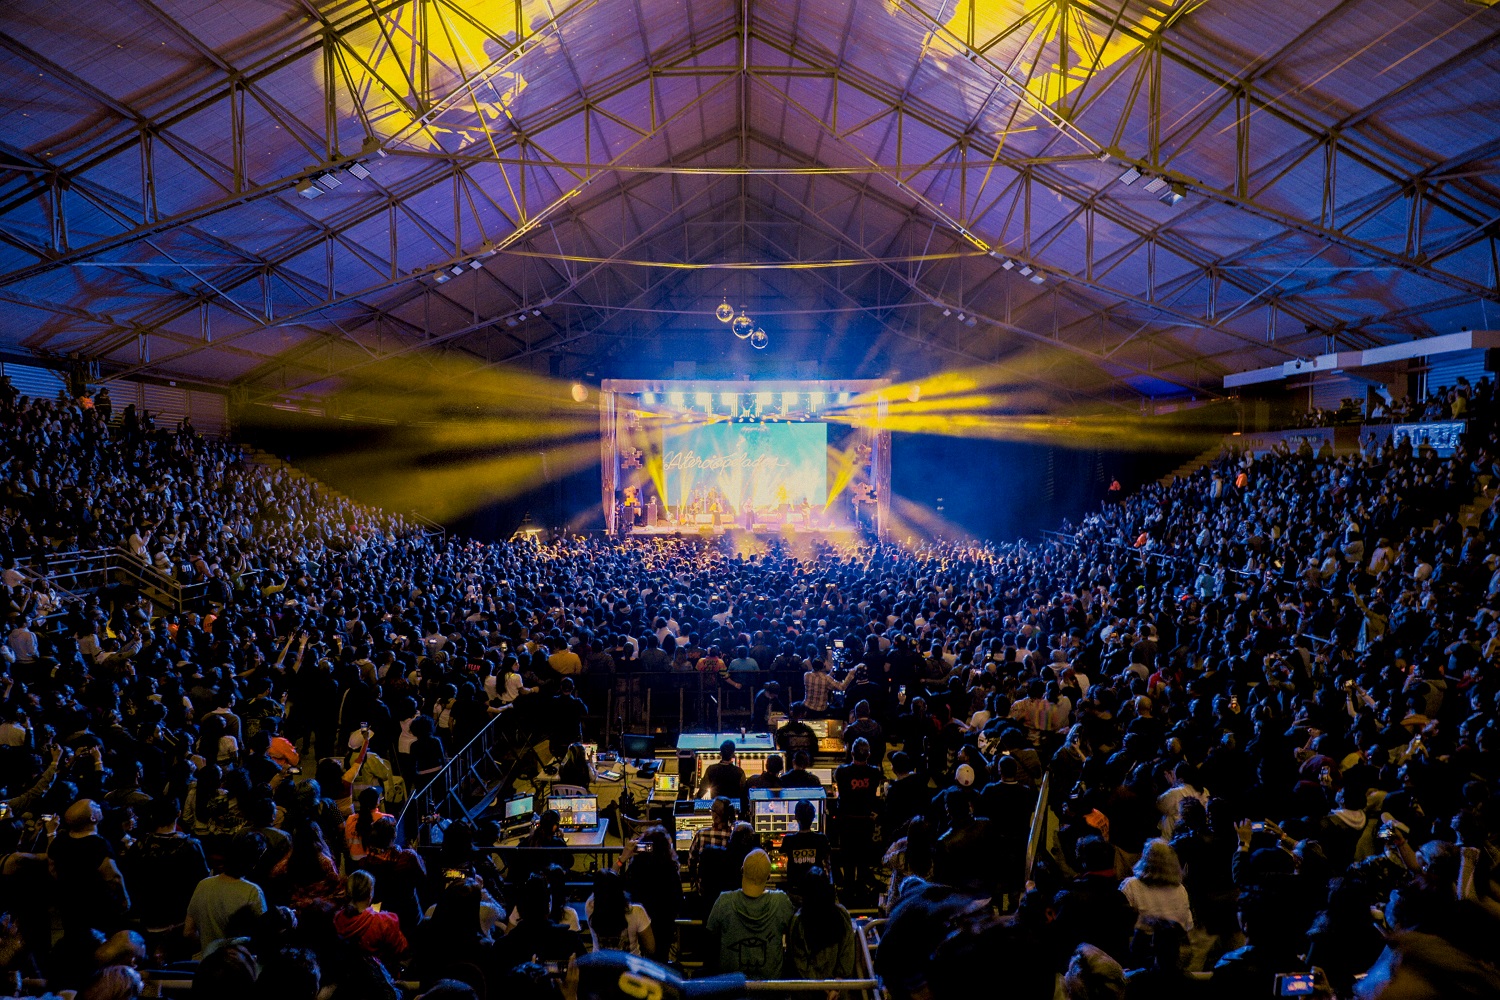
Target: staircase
<point>1192,465</point>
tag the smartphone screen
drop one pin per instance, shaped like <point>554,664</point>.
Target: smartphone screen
<point>1294,984</point>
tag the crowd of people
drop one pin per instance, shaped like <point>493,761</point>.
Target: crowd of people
<point>1461,401</point>
<point>1261,700</point>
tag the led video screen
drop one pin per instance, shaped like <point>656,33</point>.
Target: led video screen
<point>765,464</point>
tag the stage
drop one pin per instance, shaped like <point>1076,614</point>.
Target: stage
<point>764,530</point>
<point>763,458</point>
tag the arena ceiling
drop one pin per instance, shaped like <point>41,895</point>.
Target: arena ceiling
<point>873,178</point>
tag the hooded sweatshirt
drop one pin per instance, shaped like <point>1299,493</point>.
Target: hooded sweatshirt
<point>750,931</point>
<point>374,933</point>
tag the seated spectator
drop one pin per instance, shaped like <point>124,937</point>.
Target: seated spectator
<point>373,931</point>
<point>1250,972</point>
<point>746,926</point>
<point>616,922</point>
<point>1093,975</point>
<point>821,940</point>
<point>536,933</point>
<point>653,879</point>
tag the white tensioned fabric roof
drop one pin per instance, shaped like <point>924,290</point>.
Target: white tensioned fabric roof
<point>876,163</point>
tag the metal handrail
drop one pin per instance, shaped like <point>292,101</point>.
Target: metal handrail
<point>446,782</point>
<point>1038,823</point>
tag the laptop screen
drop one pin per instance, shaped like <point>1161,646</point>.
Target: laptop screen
<point>576,812</point>
<point>520,807</point>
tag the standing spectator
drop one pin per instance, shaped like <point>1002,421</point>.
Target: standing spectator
<point>1155,890</point>
<point>218,898</point>
<point>92,888</point>
<point>859,786</point>
<point>171,863</point>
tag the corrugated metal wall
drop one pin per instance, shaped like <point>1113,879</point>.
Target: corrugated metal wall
<point>209,410</point>
<point>1443,370</point>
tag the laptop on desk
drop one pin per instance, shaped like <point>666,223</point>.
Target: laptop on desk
<point>576,813</point>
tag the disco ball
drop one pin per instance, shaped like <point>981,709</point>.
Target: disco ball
<point>758,339</point>
<point>742,325</point>
<point>725,312</point>
<point>580,392</point>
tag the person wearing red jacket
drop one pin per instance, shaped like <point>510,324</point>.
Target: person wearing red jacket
<point>373,932</point>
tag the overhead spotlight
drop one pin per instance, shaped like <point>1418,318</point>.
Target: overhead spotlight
<point>676,398</point>
<point>511,321</point>
<point>1007,264</point>
<point>1173,195</point>
<point>309,190</point>
<point>971,321</point>
<point>359,170</point>
<point>329,179</point>
<point>742,325</point>
<point>961,317</point>
<point>476,264</point>
<point>914,393</point>
<point>1130,176</point>
<point>536,312</point>
<point>1104,156</point>
<point>1155,184</point>
<point>440,277</point>
<point>1025,269</point>
<point>457,269</point>
<point>580,392</point>
<point>725,312</point>
<point>997,255</point>
<point>1037,279</point>
<point>947,311</point>
<point>649,398</point>
<point>758,339</point>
